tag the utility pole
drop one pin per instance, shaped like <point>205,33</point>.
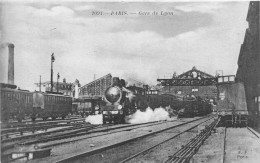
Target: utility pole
<point>52,60</point>
<point>40,89</point>
<point>57,85</point>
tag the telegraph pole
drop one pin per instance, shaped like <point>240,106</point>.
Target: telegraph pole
<point>58,76</point>
<point>52,60</point>
<point>40,89</point>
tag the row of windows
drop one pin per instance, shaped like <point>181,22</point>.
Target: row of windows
<point>18,97</point>
<point>60,86</point>
<point>65,86</point>
<point>55,99</point>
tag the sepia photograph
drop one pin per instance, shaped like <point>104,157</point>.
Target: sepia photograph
<point>132,81</point>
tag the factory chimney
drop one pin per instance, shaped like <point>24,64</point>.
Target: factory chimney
<point>11,64</point>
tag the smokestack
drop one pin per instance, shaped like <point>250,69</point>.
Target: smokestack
<point>11,64</point>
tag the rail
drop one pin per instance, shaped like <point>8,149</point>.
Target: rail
<point>253,132</point>
<point>187,151</point>
<point>224,146</point>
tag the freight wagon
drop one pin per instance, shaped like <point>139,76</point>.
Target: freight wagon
<point>15,103</point>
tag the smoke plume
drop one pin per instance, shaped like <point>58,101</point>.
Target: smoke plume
<point>95,119</point>
<point>149,115</point>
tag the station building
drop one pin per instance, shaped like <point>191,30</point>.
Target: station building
<point>205,92</point>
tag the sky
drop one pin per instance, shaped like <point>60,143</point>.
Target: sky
<point>122,41</point>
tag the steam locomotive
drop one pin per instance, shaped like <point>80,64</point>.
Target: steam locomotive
<point>18,104</point>
<point>194,106</point>
<point>122,101</point>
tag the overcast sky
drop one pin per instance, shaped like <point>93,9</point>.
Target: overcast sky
<point>207,35</point>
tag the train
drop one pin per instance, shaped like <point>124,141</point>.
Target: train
<point>194,106</point>
<point>122,101</point>
<point>18,104</point>
<point>117,103</point>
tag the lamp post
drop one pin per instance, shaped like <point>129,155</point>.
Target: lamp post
<point>40,89</point>
<point>52,60</point>
<point>58,76</point>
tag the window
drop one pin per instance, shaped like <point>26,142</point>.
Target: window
<point>195,90</point>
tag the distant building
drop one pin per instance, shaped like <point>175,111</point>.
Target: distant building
<point>96,87</point>
<point>63,87</point>
<point>209,91</point>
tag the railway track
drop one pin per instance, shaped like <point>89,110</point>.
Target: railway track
<point>104,131</point>
<point>32,128</point>
<point>129,145</point>
<point>76,133</point>
<point>24,123</point>
<point>186,152</point>
<point>11,142</point>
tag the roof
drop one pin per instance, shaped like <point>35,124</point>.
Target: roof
<point>204,74</point>
<point>52,93</point>
<point>48,82</point>
<point>97,80</point>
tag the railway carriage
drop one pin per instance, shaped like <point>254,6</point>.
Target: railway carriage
<point>52,105</point>
<point>15,103</point>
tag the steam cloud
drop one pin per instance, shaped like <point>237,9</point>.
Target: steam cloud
<point>159,114</point>
<point>95,119</point>
<point>149,115</point>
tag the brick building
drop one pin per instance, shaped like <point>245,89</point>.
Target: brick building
<point>248,70</point>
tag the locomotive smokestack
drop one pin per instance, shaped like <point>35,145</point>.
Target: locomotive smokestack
<point>11,64</point>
